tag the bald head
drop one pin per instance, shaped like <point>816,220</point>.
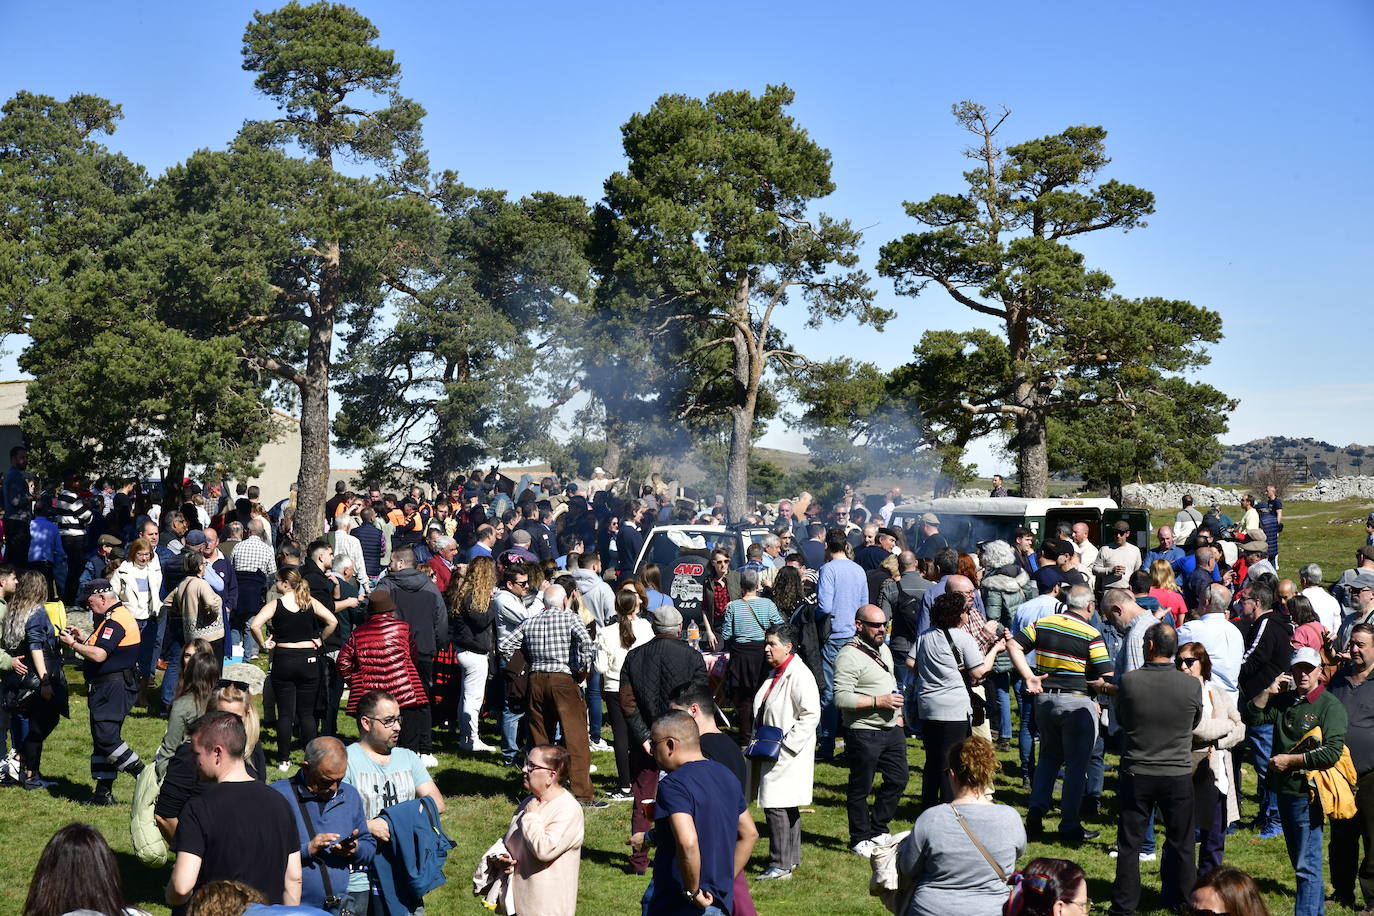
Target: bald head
<point>906,562</point>
<point>959,585</point>
<point>1287,590</point>
<point>325,750</point>
<point>870,613</point>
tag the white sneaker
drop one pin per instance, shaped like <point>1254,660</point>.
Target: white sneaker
<point>591,768</point>
<point>479,745</point>
<point>1148,856</point>
<point>863,848</point>
<point>284,766</point>
<point>429,760</point>
<point>600,746</point>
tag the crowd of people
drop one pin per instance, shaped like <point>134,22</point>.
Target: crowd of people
<point>834,636</point>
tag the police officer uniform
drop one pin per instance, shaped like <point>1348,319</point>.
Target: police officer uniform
<point>112,686</point>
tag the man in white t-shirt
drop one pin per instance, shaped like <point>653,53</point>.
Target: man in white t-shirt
<point>1186,519</point>
<point>384,775</point>
<point>1328,609</point>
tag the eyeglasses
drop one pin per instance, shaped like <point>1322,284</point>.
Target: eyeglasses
<point>531,765</point>
<point>1085,905</point>
<point>385,721</point>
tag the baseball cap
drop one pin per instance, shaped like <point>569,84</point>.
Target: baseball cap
<point>930,518</point>
<point>1305,655</point>
<point>1362,581</point>
<point>1046,578</point>
<point>195,538</point>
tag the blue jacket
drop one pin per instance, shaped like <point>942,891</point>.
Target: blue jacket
<point>412,864</point>
<point>45,546</point>
<point>341,814</point>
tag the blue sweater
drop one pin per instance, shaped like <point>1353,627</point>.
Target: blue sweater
<point>341,814</point>
<point>841,590</point>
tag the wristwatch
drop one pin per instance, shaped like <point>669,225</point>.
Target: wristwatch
<point>691,896</point>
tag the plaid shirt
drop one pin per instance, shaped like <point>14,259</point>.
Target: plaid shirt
<point>253,555</point>
<point>721,593</point>
<point>974,627</point>
<point>555,642</point>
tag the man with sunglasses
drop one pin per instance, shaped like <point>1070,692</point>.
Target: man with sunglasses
<point>513,604</point>
<point>383,774</point>
<point>871,708</point>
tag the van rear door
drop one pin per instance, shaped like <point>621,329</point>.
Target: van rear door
<point>1138,519</point>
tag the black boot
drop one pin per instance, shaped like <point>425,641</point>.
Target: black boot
<point>103,796</point>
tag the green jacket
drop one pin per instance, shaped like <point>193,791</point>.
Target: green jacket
<point>1292,717</point>
<point>857,678</point>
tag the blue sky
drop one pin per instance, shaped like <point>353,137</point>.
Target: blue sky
<point>1249,122</point>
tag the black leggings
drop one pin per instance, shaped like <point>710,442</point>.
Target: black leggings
<point>296,682</point>
<point>620,734</point>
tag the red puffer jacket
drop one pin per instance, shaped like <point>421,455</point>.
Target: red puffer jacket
<point>379,655</point>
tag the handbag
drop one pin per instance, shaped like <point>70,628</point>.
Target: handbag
<point>766,743</point>
<point>18,690</point>
<point>978,706</point>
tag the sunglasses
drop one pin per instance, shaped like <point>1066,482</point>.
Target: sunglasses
<point>1188,662</point>
<point>241,685</point>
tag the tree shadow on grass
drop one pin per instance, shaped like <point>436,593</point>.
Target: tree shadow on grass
<point>453,782</point>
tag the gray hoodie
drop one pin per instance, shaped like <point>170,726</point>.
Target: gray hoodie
<point>597,596</point>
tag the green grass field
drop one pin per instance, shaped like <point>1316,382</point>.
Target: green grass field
<point>481,796</point>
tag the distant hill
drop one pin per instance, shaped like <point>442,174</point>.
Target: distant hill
<point>1238,463</point>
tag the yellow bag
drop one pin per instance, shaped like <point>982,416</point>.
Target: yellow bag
<point>57,613</point>
<point>1334,787</point>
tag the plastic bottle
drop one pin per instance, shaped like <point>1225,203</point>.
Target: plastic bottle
<point>694,636</point>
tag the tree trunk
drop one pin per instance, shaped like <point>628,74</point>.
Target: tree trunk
<point>1032,455</point>
<point>748,373</point>
<point>611,462</point>
<point>313,479</point>
<point>1114,488</point>
<point>171,485</point>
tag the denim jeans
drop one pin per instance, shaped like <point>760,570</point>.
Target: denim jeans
<point>999,691</point>
<point>244,638</point>
<point>906,683</point>
<point>711,910</point>
<point>1026,732</point>
<point>175,643</point>
<point>830,713</point>
<point>595,711</point>
<point>1068,730</point>
<point>1260,740</point>
<point>150,637</point>
<point>1302,833</point>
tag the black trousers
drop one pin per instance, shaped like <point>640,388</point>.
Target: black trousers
<point>1344,850</point>
<point>424,666</point>
<point>295,677</point>
<point>620,734</point>
<point>1178,867</point>
<point>939,737</point>
<point>74,546</point>
<point>110,699</point>
<point>42,719</point>
<point>17,542</point>
<point>328,697</point>
<point>873,751</point>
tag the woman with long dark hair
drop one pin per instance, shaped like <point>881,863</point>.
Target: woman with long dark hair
<point>200,673</point>
<point>612,645</point>
<point>77,871</point>
<point>1228,890</point>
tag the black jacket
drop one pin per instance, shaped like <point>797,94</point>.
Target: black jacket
<point>1268,650</point>
<point>650,674</point>
<point>419,604</point>
<point>901,602</point>
<point>473,628</point>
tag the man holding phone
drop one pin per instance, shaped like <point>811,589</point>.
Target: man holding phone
<point>332,825</point>
<point>1310,727</point>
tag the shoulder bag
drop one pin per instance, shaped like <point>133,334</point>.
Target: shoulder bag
<point>1001,874</point>
<point>766,744</point>
<point>978,705</point>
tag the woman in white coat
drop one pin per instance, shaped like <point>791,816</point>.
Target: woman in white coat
<point>790,701</point>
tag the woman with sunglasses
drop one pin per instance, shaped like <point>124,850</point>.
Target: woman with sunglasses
<point>544,841</point>
<point>1215,801</point>
<point>200,670</point>
<point>1048,887</point>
